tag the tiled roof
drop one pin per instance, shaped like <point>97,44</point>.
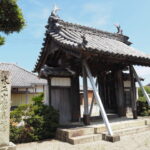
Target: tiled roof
<point>21,77</point>
<point>73,36</point>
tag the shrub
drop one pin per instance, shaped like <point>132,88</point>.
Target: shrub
<point>33,122</point>
<point>140,93</point>
<point>143,108</point>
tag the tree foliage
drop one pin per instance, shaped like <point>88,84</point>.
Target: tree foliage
<point>143,108</point>
<point>147,88</point>
<point>11,18</point>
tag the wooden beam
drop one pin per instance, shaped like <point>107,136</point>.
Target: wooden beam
<point>119,91</point>
<point>75,98</point>
<point>133,94</point>
<point>101,87</point>
<point>85,94</point>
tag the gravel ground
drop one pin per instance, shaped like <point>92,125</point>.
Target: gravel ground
<point>140,141</point>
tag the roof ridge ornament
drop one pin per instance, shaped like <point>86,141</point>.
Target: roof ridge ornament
<point>84,41</point>
<point>119,30</point>
<point>53,20</point>
<point>54,11</point>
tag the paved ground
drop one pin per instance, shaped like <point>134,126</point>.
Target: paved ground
<point>140,141</point>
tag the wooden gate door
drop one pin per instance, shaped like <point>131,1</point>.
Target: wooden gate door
<point>60,100</point>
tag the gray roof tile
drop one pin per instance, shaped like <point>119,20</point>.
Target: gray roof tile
<point>71,36</point>
<point>21,77</point>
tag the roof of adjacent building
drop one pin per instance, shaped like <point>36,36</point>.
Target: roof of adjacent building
<point>21,77</point>
<point>76,37</point>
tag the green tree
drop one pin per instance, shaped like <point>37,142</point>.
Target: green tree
<point>143,108</point>
<point>11,18</point>
<point>147,88</point>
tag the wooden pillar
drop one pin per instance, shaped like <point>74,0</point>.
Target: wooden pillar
<point>49,90</point>
<point>102,88</point>
<point>113,94</point>
<point>119,90</point>
<point>75,99</point>
<point>86,117</point>
<point>133,94</point>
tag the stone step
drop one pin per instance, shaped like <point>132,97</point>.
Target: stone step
<point>63,134</point>
<point>97,137</point>
<point>132,130</point>
<point>80,135</point>
<point>84,139</point>
<point>122,125</point>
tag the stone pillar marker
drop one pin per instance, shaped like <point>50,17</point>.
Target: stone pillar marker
<point>5,96</point>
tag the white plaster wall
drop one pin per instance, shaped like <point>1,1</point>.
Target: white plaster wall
<point>60,81</point>
<point>127,84</point>
<point>39,88</point>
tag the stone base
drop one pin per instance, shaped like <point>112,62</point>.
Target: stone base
<point>11,146</point>
<point>131,113</point>
<point>86,119</point>
<point>109,138</point>
<point>135,114</point>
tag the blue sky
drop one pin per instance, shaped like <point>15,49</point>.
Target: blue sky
<point>133,16</point>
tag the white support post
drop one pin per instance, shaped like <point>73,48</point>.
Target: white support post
<point>92,103</point>
<point>141,86</point>
<point>98,99</point>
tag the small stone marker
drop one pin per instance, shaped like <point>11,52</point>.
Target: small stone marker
<point>5,93</point>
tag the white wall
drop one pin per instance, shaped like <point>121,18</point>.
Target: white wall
<point>127,84</point>
<point>60,81</point>
<point>36,89</point>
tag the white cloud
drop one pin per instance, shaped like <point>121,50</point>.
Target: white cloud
<point>144,72</point>
<point>46,13</point>
<point>36,22</point>
<point>36,2</point>
<point>95,7</point>
<point>43,14</point>
<point>37,34</point>
<point>99,13</point>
